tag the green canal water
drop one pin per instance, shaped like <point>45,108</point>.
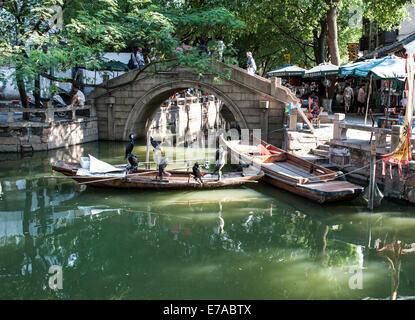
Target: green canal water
<point>253,242</point>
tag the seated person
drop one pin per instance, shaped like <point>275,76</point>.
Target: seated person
<point>314,111</point>
<point>390,112</point>
<point>304,101</point>
<point>78,98</point>
<point>312,97</point>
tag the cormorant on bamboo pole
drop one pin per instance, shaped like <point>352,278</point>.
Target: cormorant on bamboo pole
<point>130,146</point>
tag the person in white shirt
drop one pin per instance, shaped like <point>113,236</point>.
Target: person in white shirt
<point>221,47</point>
<point>139,58</point>
<point>250,64</point>
<point>78,98</point>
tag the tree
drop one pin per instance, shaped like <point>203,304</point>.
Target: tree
<point>32,42</point>
<point>313,31</point>
<point>388,15</point>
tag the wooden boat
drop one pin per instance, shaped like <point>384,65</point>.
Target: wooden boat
<point>295,175</point>
<point>145,179</point>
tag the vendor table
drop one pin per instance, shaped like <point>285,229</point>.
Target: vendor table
<point>387,122</point>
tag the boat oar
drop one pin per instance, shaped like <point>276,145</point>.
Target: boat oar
<point>115,178</point>
<point>170,161</point>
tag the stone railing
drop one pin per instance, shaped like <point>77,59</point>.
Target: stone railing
<point>47,115</point>
<point>380,135</point>
<point>190,100</point>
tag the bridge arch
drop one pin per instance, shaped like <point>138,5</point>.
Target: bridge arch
<point>125,103</point>
<point>146,106</point>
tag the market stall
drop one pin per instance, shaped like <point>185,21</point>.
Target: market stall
<point>293,78</point>
<point>390,72</point>
<point>327,73</point>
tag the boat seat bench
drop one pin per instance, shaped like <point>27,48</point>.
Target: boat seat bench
<point>293,170</point>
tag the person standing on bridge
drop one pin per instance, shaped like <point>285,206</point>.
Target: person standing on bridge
<point>220,47</point>
<point>250,64</point>
<point>138,55</point>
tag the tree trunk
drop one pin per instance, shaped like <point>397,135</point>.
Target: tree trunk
<point>22,92</point>
<point>37,91</point>
<point>319,42</point>
<point>332,36</point>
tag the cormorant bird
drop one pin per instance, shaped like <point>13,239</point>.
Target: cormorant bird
<point>155,144</point>
<point>132,161</point>
<point>220,161</point>
<point>241,166</point>
<point>162,165</point>
<point>130,146</point>
<point>197,175</point>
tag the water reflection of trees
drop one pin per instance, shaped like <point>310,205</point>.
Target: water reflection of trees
<point>105,255</point>
<point>106,251</point>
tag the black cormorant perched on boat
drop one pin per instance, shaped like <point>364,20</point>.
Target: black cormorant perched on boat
<point>162,165</point>
<point>197,175</point>
<point>130,146</point>
<point>132,161</point>
<point>220,161</point>
<point>155,144</point>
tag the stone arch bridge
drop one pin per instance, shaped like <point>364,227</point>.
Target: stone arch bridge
<point>125,103</point>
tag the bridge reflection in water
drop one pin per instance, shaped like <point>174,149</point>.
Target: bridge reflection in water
<point>245,243</point>
<point>187,115</point>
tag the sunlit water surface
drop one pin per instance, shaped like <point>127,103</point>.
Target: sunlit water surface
<point>253,242</point>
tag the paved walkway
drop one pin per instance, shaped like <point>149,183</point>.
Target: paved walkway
<point>325,132</point>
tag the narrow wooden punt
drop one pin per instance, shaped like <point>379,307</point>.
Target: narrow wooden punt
<point>146,179</point>
<point>295,175</point>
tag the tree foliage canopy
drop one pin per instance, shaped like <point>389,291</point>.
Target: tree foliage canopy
<point>83,31</point>
<point>38,35</point>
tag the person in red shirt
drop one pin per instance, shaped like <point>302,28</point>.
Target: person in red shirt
<point>314,110</point>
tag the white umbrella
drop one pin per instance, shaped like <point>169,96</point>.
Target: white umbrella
<point>322,70</point>
<point>287,71</point>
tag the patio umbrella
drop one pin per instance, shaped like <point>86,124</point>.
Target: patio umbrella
<point>322,70</point>
<point>287,71</point>
<point>390,67</point>
<point>114,65</point>
<point>279,68</point>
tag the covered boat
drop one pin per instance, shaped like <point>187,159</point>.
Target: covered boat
<point>295,175</point>
<point>100,174</point>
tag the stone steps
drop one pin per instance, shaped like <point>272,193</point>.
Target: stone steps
<point>26,148</point>
<point>315,159</point>
<point>324,147</point>
<point>321,153</point>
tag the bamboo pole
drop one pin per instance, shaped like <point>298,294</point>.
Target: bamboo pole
<point>306,120</point>
<point>148,150</point>
<point>368,97</point>
<point>372,182</point>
